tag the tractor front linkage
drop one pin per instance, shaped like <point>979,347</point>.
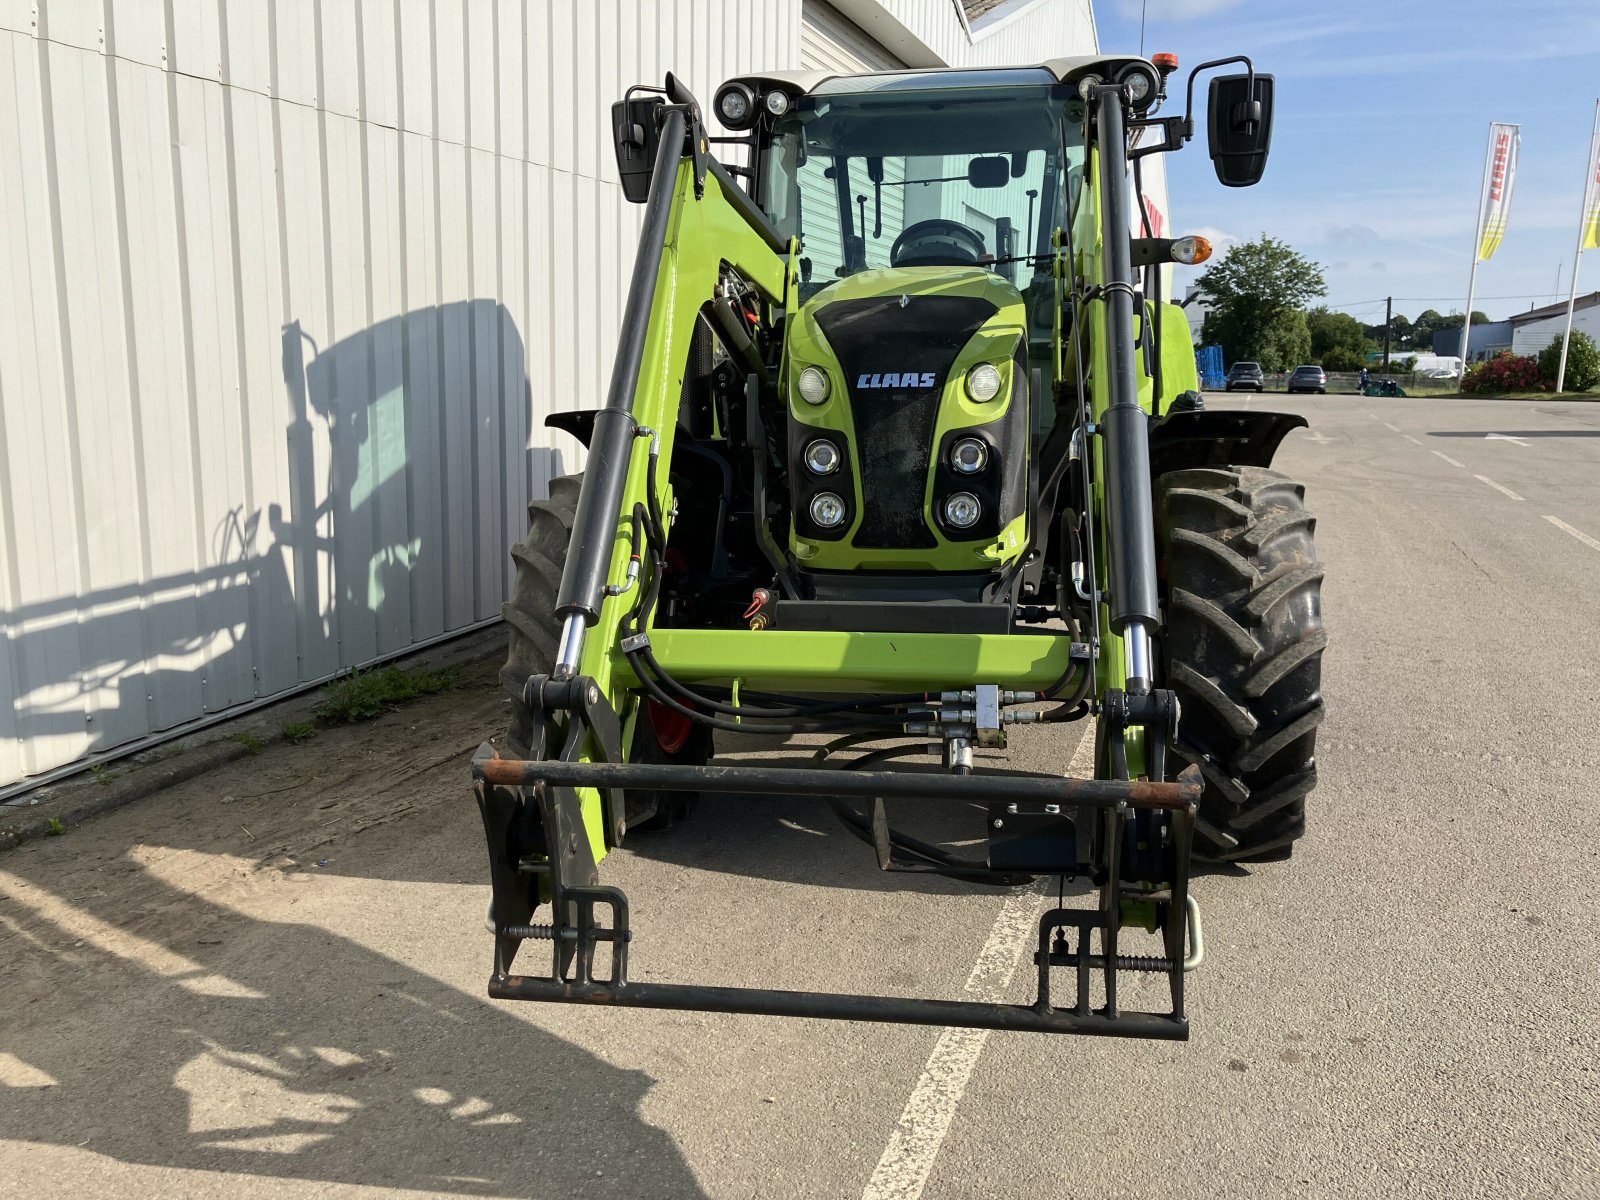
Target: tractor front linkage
<point>539,850</point>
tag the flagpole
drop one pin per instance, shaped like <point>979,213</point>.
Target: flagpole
<point>1572,295</point>
<point>1477,242</point>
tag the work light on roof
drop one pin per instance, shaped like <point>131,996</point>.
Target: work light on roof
<point>1141,83</point>
<point>736,105</point>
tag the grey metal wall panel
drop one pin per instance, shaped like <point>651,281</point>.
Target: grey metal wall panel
<point>286,291</point>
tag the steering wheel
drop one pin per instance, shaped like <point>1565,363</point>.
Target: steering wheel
<point>937,242</point>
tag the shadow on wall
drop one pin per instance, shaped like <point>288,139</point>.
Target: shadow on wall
<point>408,472</point>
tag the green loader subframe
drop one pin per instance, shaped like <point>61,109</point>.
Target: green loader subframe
<point>915,493</point>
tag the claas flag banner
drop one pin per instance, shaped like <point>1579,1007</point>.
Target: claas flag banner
<point>1501,174</point>
<point>1591,200</point>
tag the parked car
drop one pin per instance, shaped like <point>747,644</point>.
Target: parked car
<point>1246,377</point>
<point>1309,379</point>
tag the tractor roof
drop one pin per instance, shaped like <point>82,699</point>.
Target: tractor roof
<point>1054,70</point>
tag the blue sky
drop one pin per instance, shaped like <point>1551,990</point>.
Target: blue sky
<point>1380,125</point>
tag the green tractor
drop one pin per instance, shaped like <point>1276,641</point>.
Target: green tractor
<point>902,446</point>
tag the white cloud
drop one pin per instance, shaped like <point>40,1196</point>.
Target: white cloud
<point>1221,240</point>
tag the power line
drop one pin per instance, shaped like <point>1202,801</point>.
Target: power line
<point>1426,299</point>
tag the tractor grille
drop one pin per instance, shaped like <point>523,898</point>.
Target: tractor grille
<point>910,338</point>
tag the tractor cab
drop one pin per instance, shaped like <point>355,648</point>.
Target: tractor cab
<point>917,360</point>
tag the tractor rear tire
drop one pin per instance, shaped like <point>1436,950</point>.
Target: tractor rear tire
<point>1243,649</point>
<point>534,632</point>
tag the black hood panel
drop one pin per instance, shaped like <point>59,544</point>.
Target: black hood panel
<point>896,353</point>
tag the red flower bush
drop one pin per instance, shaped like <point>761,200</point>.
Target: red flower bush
<point>1505,372</point>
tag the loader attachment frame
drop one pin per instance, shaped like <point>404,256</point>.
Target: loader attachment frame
<point>591,916</point>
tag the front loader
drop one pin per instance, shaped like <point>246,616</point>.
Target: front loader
<point>903,447</point>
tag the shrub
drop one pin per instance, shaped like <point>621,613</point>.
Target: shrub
<point>1583,362</point>
<point>1505,372</point>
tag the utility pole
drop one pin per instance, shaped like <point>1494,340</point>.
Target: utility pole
<point>1388,328</point>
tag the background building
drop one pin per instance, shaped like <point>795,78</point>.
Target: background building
<point>1484,341</point>
<point>1535,329</point>
<point>286,291</point>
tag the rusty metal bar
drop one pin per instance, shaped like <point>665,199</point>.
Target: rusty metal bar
<point>792,781</point>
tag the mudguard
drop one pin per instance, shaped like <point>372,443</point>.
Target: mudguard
<point>1229,437</point>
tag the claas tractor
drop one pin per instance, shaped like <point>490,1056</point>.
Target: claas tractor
<point>903,447</point>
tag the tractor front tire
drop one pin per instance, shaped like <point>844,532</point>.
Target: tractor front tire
<point>534,632</point>
<point>1243,648</point>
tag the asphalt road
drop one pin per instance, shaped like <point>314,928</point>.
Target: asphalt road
<point>269,981</point>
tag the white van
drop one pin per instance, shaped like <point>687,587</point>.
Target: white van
<point>1437,366</point>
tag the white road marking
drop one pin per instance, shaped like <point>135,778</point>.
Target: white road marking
<point>1583,537</point>
<point>1499,487</point>
<point>1411,439</point>
<point>908,1159</point>
<point>1319,438</point>
<point>1506,437</point>
<point>1450,460</point>
<point>1389,427</point>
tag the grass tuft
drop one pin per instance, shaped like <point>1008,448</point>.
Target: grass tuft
<point>249,741</point>
<point>298,731</point>
<point>102,774</point>
<point>364,694</point>
<point>54,828</point>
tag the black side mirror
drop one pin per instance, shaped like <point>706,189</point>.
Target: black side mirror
<point>636,134</point>
<point>992,172</point>
<point>1240,128</point>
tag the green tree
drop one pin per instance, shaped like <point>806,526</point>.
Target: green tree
<point>1338,340</point>
<point>1250,291</point>
<point>1400,330</point>
<point>1432,322</point>
<point>1286,342</point>
<point>1583,362</point>
<point>1428,322</point>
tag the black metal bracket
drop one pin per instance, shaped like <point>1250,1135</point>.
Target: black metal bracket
<point>696,147</point>
<point>1144,856</point>
<point>1175,131</point>
<point>539,847</point>
<point>591,717</point>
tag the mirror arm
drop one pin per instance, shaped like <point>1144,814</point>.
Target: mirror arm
<point>1188,104</point>
<point>1175,131</point>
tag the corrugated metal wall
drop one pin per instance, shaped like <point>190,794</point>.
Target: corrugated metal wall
<point>927,32</point>
<point>1020,33</point>
<point>286,290</point>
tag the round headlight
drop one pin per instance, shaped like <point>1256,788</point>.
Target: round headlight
<point>736,105</point>
<point>1141,83</point>
<point>813,385</point>
<point>822,457</point>
<point>827,510</point>
<point>962,510</point>
<point>1087,85</point>
<point>983,382</point>
<point>969,456</point>
<point>777,103</point>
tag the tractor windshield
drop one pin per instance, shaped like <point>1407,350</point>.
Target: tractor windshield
<point>935,176</point>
